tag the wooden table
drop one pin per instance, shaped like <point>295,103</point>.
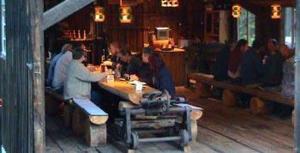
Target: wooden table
<point>125,90</point>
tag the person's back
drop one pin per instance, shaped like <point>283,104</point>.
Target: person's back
<point>51,68</point>
<point>60,70</point>
<point>251,68</point>
<point>273,70</point>
<point>134,66</point>
<point>79,78</point>
<point>163,81</point>
<point>220,67</point>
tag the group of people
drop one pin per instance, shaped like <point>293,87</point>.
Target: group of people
<point>260,64</point>
<point>68,75</point>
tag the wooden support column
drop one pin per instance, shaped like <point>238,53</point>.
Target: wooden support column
<point>63,10</point>
<point>297,82</point>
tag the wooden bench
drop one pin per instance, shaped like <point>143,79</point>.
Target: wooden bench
<point>53,101</point>
<point>89,121</point>
<point>258,101</point>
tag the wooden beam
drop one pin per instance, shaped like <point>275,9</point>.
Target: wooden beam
<point>62,10</point>
<point>297,82</point>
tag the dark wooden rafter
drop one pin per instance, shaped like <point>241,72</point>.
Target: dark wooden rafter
<point>62,10</point>
<point>264,3</point>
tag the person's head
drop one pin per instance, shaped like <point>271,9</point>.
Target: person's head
<point>242,45</point>
<point>272,45</point>
<point>114,48</point>
<point>124,56</point>
<point>155,62</point>
<point>147,52</point>
<point>66,47</point>
<point>79,54</point>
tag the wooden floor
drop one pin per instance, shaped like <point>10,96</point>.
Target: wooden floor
<point>222,130</point>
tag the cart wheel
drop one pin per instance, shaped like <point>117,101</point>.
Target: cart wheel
<point>184,138</point>
<point>135,140</point>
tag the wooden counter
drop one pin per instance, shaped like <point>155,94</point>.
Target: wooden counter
<point>125,90</point>
<point>175,62</point>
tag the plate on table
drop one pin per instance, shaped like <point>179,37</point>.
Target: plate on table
<point>136,82</point>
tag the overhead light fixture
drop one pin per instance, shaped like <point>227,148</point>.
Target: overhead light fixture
<point>276,11</point>
<point>99,14</point>
<point>169,3</point>
<point>236,11</point>
<point>126,14</point>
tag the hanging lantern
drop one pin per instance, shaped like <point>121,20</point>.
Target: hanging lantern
<point>126,14</point>
<point>236,11</point>
<point>169,3</point>
<point>99,14</point>
<point>276,11</point>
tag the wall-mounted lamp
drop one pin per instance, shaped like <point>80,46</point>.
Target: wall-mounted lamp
<point>126,14</point>
<point>99,14</point>
<point>276,11</point>
<point>169,3</point>
<point>236,11</point>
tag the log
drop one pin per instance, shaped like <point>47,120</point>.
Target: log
<point>196,114</point>
<point>229,98</point>
<point>194,129</point>
<point>68,115</point>
<point>78,122</point>
<point>258,106</point>
<point>202,90</point>
<point>95,135</point>
<point>98,120</point>
<point>293,118</point>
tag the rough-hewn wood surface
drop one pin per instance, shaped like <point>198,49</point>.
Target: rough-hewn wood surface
<point>125,90</point>
<point>221,129</point>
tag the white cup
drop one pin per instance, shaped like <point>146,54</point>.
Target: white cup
<point>139,87</point>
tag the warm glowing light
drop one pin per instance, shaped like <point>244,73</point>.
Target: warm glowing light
<point>126,14</point>
<point>169,3</point>
<point>99,14</point>
<point>276,11</point>
<point>236,11</point>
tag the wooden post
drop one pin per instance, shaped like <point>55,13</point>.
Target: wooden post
<point>297,82</point>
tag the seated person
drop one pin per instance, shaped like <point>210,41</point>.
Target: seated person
<point>53,62</point>
<point>162,78</point>
<point>273,66</point>
<point>129,64</point>
<point>60,71</point>
<point>251,67</point>
<point>79,78</point>
<point>235,58</point>
<point>114,50</point>
<point>220,67</point>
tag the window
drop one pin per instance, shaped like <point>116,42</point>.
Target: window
<point>246,26</point>
<point>289,15</point>
<point>3,35</point>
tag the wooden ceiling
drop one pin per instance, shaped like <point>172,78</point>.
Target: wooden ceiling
<point>267,2</point>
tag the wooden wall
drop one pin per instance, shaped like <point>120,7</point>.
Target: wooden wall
<point>19,82</point>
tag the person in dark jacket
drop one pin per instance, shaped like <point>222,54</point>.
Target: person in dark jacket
<point>220,67</point>
<point>273,66</point>
<point>251,68</point>
<point>129,64</point>
<point>162,78</point>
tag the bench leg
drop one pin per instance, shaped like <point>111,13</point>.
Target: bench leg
<point>258,106</point>
<point>78,120</point>
<point>95,135</point>
<point>229,98</point>
<point>194,129</point>
<point>202,90</point>
<point>67,115</point>
<point>293,118</point>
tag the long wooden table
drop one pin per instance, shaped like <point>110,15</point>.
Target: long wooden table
<point>125,90</point>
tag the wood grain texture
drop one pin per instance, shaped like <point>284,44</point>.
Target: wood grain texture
<point>62,10</point>
<point>125,90</point>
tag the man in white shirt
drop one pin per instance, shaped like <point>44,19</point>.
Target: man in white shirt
<point>53,62</point>
<point>79,78</point>
<point>60,71</point>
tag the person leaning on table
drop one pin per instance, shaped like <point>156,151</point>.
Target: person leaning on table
<point>79,79</point>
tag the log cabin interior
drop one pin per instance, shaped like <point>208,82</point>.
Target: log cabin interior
<point>213,110</point>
